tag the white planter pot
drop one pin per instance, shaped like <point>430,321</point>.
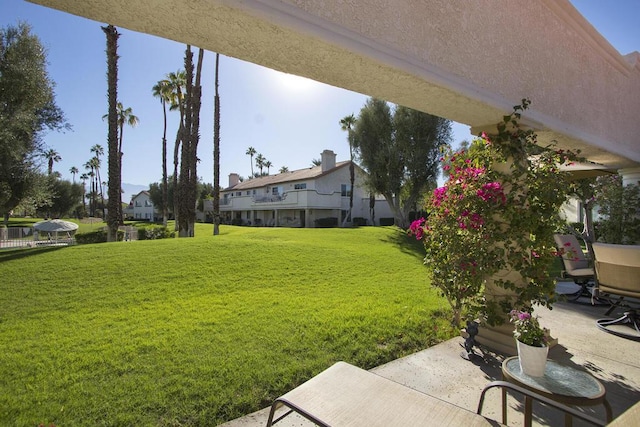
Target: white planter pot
<point>533,360</point>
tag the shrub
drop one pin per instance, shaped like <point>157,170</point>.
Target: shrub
<point>98,236</point>
<point>326,222</point>
<point>359,221</point>
<point>491,225</point>
<point>387,221</point>
<point>618,207</point>
<point>154,232</point>
<point>576,226</point>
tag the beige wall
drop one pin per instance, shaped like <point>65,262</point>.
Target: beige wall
<point>469,61</point>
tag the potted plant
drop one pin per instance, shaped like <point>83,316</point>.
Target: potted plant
<point>531,341</point>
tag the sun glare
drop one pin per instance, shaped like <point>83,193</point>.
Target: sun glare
<point>295,83</point>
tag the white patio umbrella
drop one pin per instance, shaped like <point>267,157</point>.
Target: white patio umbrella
<point>56,226</point>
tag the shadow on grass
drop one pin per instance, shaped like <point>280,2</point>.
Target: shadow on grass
<point>406,244</point>
<point>14,254</point>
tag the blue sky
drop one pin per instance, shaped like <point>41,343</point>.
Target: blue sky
<point>289,120</point>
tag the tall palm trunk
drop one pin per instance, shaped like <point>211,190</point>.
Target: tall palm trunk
<point>120,215</point>
<point>176,163</point>
<point>165,190</point>
<point>113,221</point>
<point>98,179</point>
<point>183,209</point>
<point>188,165</point>
<point>216,154</point>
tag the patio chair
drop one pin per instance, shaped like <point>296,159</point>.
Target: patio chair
<point>576,265</point>
<point>617,278</point>
<point>347,395</point>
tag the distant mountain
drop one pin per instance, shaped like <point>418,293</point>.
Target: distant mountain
<point>131,190</point>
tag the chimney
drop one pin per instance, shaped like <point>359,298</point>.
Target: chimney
<point>234,179</point>
<point>328,159</point>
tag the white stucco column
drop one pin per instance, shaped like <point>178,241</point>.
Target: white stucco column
<point>630,176</point>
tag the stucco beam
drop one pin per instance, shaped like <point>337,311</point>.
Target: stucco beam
<point>466,61</point>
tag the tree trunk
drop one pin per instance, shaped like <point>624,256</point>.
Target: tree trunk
<point>176,163</point>
<point>120,219</point>
<point>216,155</point>
<point>188,167</point>
<point>113,157</point>
<point>195,139</point>
<point>165,190</point>
<point>398,214</point>
<point>185,166</point>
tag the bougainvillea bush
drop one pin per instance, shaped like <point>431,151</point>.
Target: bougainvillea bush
<point>492,223</point>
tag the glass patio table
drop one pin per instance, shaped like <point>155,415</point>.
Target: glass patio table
<point>560,382</point>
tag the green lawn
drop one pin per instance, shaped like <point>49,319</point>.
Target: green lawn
<point>186,332</point>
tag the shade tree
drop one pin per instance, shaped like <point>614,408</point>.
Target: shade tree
<point>27,111</point>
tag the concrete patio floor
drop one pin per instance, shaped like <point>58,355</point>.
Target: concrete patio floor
<point>440,371</point>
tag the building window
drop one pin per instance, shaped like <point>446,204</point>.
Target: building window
<point>248,193</point>
<point>301,186</point>
<point>138,204</point>
<point>238,193</point>
<point>345,190</point>
<point>147,203</point>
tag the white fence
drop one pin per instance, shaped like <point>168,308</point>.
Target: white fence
<point>27,237</point>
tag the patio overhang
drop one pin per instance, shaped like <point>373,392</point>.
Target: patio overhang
<point>466,61</point>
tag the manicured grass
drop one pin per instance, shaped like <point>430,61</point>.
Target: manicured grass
<point>199,331</point>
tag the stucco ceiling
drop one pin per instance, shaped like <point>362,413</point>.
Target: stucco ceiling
<point>439,68</point>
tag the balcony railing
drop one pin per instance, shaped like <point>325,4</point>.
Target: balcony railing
<point>271,198</point>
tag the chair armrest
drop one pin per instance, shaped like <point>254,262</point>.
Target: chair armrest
<point>559,406</point>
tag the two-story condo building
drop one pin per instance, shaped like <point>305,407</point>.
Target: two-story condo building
<point>141,207</point>
<point>302,198</point>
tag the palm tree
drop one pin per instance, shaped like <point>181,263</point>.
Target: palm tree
<point>284,169</point>
<point>92,194</point>
<point>125,116</point>
<point>74,171</point>
<point>115,171</point>
<point>347,124</point>
<point>177,82</point>
<point>251,152</point>
<point>84,177</point>
<point>162,90</point>
<point>89,166</point>
<point>191,135</point>
<point>216,155</point>
<point>52,156</point>
<point>94,164</point>
<point>99,151</point>
<point>260,162</point>
<point>268,164</point>
<point>316,162</point>
<point>95,167</point>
